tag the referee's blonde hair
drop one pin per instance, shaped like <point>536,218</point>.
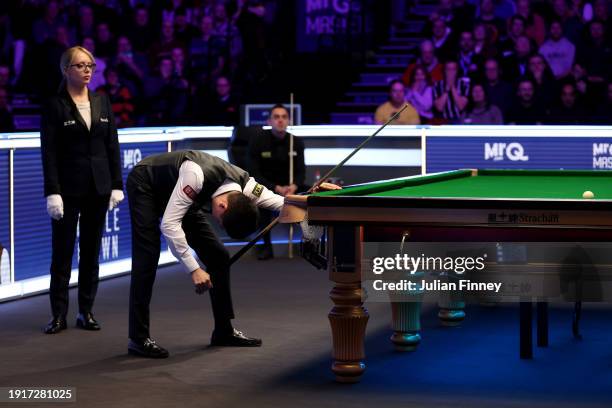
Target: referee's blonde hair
<point>68,58</point>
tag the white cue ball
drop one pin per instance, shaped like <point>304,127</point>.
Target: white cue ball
<point>588,194</point>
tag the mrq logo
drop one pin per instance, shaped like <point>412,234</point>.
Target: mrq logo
<point>602,155</point>
<point>505,151</point>
<point>131,157</point>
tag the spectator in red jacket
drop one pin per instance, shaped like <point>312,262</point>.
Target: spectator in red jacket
<point>428,60</point>
<point>120,98</point>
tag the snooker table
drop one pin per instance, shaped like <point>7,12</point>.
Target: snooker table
<point>461,205</point>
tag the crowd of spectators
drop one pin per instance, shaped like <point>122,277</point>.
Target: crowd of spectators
<point>160,62</point>
<point>167,62</point>
<point>514,61</point>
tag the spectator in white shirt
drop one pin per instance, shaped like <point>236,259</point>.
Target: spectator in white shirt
<point>558,51</point>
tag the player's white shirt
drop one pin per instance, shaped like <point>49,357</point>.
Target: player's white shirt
<point>5,267</point>
<point>189,184</point>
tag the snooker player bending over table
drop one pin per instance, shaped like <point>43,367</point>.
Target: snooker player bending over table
<point>185,188</point>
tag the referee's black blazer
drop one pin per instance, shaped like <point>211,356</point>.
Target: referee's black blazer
<point>77,161</point>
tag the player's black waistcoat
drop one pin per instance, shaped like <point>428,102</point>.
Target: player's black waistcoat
<point>163,170</point>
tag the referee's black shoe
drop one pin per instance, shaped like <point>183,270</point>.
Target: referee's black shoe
<point>56,325</point>
<point>146,348</point>
<point>233,338</point>
<point>86,321</point>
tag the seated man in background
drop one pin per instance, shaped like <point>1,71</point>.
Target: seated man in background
<point>269,164</point>
<point>397,100</point>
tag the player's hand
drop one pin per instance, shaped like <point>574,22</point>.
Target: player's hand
<point>281,190</point>
<point>201,280</point>
<point>291,189</point>
<point>327,187</point>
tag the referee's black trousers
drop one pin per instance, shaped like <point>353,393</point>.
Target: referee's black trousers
<point>92,210</point>
<point>145,220</point>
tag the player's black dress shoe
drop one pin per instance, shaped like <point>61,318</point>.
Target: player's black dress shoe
<point>265,252</point>
<point>233,338</point>
<point>86,321</point>
<point>56,325</point>
<point>146,348</point>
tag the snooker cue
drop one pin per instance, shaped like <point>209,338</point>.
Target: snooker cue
<point>250,244</point>
<point>290,241</point>
<point>354,152</point>
<point>423,153</point>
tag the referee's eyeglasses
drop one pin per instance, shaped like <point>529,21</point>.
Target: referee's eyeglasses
<point>81,66</point>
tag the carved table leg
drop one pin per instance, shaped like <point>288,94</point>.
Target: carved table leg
<point>348,320</point>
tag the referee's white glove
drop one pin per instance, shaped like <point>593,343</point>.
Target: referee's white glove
<point>115,198</point>
<point>55,206</point>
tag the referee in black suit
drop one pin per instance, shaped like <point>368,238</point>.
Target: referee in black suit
<point>82,177</point>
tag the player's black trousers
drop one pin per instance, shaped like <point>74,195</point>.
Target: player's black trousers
<point>92,209</point>
<point>145,220</point>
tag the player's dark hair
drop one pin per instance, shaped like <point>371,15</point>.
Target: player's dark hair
<point>241,217</point>
<point>278,106</point>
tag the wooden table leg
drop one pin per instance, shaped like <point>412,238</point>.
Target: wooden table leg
<point>348,319</point>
